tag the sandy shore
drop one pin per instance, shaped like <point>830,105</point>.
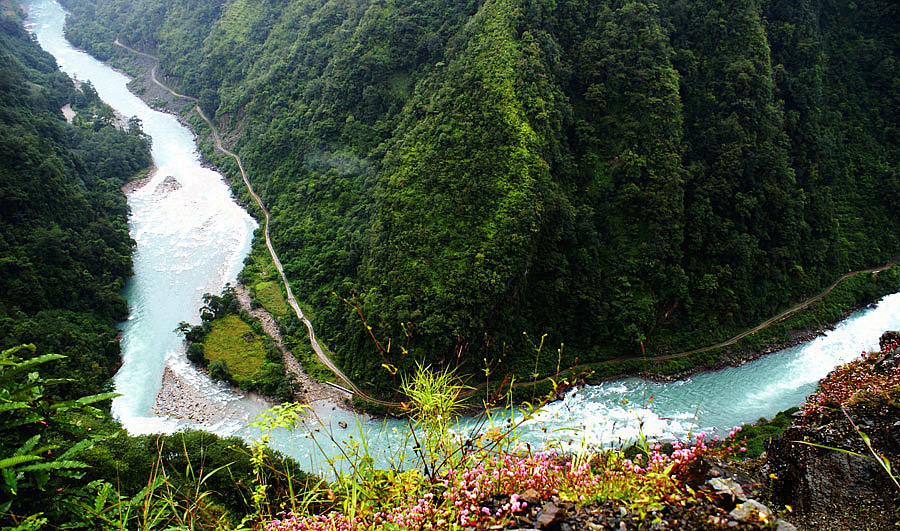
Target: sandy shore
<point>136,184</point>
<point>180,400</point>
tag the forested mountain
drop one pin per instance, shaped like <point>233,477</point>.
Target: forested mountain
<point>606,172</point>
<point>64,245</point>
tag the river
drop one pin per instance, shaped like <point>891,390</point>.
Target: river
<point>190,241</point>
<point>193,240</point>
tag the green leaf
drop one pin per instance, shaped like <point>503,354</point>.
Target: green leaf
<point>102,495</point>
<point>63,405</point>
<point>34,522</point>
<point>79,446</point>
<point>92,399</point>
<point>27,364</point>
<point>865,439</point>
<point>28,446</point>
<point>7,355</point>
<point>842,450</point>
<point>9,406</point>
<point>16,460</point>
<point>54,465</point>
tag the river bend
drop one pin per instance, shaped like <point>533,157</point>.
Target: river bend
<point>193,240</point>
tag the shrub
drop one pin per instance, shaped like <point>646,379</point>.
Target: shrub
<point>219,371</point>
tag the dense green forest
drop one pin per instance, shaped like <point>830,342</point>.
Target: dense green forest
<point>65,251</point>
<point>608,173</point>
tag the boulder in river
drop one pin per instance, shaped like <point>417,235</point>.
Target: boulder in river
<point>169,184</point>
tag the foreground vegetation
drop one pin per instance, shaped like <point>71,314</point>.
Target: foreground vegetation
<point>489,479</point>
<point>608,173</point>
<point>66,464</point>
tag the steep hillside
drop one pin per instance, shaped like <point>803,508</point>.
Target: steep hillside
<point>607,173</point>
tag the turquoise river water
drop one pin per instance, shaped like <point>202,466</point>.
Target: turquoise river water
<point>193,240</point>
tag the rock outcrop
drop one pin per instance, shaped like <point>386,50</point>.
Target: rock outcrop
<point>814,479</point>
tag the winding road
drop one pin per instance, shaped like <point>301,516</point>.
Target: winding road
<point>763,325</point>
<point>781,316</point>
<point>320,352</point>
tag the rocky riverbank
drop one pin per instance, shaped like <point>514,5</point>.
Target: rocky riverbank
<point>181,400</point>
<point>823,465</point>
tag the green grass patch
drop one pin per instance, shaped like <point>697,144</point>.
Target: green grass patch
<point>235,348</point>
<point>233,342</point>
<point>763,429</point>
<point>262,278</point>
<point>259,266</point>
<point>268,295</point>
